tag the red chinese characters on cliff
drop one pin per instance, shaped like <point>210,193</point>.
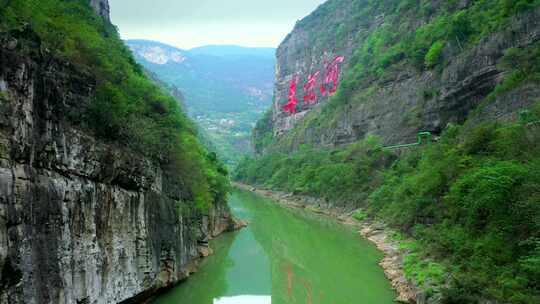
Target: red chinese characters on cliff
<point>328,86</point>
<point>309,88</point>
<point>332,76</point>
<point>291,105</point>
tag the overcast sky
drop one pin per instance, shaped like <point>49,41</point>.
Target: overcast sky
<point>190,23</point>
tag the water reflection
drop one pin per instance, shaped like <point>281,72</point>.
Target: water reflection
<point>244,300</point>
<point>285,257</point>
<point>250,274</point>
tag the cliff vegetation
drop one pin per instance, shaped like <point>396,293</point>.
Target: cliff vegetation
<point>128,109</point>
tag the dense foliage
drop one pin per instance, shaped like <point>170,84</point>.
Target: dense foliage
<point>471,200</point>
<point>344,176</point>
<point>128,108</point>
<point>263,132</point>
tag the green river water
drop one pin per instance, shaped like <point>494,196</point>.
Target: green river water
<point>285,256</point>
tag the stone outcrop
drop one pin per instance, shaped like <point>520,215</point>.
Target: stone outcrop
<point>102,8</point>
<point>81,220</point>
<point>299,55</point>
<point>394,107</point>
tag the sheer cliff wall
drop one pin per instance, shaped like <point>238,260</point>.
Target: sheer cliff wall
<point>82,220</point>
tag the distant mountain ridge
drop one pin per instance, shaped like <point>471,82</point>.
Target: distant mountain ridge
<point>226,87</point>
<point>211,49</point>
<point>217,78</point>
<point>156,52</point>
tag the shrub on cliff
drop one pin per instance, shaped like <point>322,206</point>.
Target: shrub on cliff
<point>434,55</point>
<point>263,133</point>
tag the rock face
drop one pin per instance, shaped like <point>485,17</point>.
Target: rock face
<point>301,54</point>
<point>102,8</point>
<point>158,54</point>
<point>83,221</point>
<point>404,101</point>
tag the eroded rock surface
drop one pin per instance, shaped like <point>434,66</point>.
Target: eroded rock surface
<point>102,8</point>
<point>83,221</point>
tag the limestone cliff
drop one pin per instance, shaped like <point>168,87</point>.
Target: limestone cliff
<point>394,100</point>
<point>82,220</point>
<point>102,8</point>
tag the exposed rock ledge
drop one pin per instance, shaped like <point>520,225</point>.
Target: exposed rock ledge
<point>377,233</point>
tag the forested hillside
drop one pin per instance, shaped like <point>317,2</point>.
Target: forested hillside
<point>226,88</point>
<point>468,201</point>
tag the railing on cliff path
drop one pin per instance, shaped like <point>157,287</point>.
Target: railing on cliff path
<point>423,137</point>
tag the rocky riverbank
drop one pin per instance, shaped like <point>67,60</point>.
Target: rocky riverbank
<point>203,251</point>
<point>376,232</point>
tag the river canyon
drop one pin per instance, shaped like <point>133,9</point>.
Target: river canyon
<point>285,256</point>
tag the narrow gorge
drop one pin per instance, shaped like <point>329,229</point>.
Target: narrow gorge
<point>383,151</point>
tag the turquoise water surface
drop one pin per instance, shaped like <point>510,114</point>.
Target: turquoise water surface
<point>285,256</point>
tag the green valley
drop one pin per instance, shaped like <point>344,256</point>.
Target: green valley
<point>226,88</point>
